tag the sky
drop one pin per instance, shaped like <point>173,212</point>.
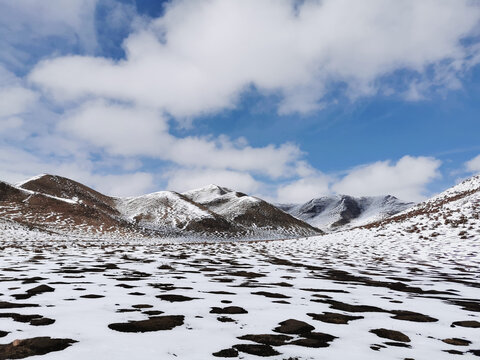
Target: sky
<point>284,99</point>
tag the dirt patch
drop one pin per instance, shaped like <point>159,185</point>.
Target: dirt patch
<point>152,324</point>
<point>19,349</point>
<point>334,318</point>
<point>412,316</point>
<point>257,349</point>
<point>267,339</point>
<point>292,326</point>
<point>226,353</point>
<point>175,298</point>
<point>228,310</point>
<point>391,335</point>
<point>457,342</point>
<point>467,324</point>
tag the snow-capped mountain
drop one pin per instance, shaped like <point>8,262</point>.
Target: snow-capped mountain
<point>63,206</point>
<point>170,212</point>
<point>337,212</point>
<point>249,212</point>
<point>455,211</point>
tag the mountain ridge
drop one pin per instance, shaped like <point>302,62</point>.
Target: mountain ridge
<point>70,207</point>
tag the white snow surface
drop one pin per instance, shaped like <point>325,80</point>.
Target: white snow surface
<point>447,264</point>
<point>223,201</point>
<point>373,208</point>
<point>163,208</point>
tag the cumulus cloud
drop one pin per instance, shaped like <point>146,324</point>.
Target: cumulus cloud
<point>17,165</point>
<point>130,131</point>
<point>27,26</point>
<point>187,179</point>
<point>473,165</point>
<point>15,100</point>
<point>201,55</point>
<point>304,189</point>
<point>406,179</point>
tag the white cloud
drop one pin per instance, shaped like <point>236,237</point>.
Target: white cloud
<point>130,131</point>
<point>187,179</point>
<point>17,165</point>
<point>27,26</point>
<point>473,165</point>
<point>201,55</point>
<point>15,100</point>
<point>304,189</point>
<point>406,179</point>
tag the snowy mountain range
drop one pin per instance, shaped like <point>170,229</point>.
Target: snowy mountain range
<point>62,206</point>
<point>340,212</point>
<point>59,206</point>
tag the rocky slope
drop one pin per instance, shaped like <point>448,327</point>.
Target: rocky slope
<point>250,213</point>
<point>54,214</point>
<point>455,211</point>
<point>339,212</point>
<point>63,206</point>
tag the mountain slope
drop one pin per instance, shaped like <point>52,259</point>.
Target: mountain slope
<point>251,213</point>
<point>170,212</point>
<point>343,211</point>
<point>64,188</point>
<point>62,206</point>
<point>55,214</point>
<point>454,211</point>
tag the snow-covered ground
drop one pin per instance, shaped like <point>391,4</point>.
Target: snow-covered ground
<point>437,279</point>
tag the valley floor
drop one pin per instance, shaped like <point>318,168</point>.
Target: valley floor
<point>355,295</point>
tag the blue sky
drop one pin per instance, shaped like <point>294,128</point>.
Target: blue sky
<point>287,100</point>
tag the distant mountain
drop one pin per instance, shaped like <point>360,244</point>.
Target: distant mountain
<point>250,213</point>
<point>453,213</point>
<point>59,205</point>
<point>171,213</point>
<point>331,213</point>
